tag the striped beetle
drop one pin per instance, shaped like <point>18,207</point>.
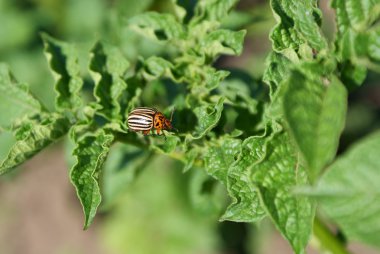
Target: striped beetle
<point>145,119</point>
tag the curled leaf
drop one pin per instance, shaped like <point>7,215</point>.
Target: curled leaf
<point>32,137</point>
<point>90,153</point>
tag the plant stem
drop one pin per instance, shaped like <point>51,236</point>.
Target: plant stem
<point>326,241</point>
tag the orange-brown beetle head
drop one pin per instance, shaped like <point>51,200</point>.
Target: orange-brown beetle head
<point>168,124</point>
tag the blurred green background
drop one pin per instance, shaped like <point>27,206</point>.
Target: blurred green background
<point>149,205</point>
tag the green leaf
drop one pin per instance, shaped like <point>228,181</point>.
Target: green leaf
<point>349,191</point>
<point>238,93</point>
<point>208,116</point>
<point>179,11</point>
<point>7,141</point>
<point>32,137</point>
<point>358,37</point>
<point>237,19</point>
<point>274,111</point>
<point>63,60</point>
<point>212,10</point>
<point>246,205</point>
<point>315,109</point>
<point>90,152</point>
<point>15,99</point>
<point>200,77</point>
<point>298,23</point>
<point>168,145</point>
<point>156,67</point>
<point>219,155</point>
<point>190,157</point>
<point>222,41</point>
<point>211,78</point>
<point>277,70</point>
<point>352,75</point>
<point>108,66</point>
<point>356,14</point>
<point>219,158</point>
<point>367,44</point>
<point>276,176</point>
<point>158,26</point>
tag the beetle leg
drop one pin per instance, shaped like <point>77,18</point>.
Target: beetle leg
<point>146,132</point>
<point>158,131</point>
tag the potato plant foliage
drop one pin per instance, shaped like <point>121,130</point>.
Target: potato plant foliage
<point>271,142</point>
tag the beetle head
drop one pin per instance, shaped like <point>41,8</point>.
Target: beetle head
<point>168,123</point>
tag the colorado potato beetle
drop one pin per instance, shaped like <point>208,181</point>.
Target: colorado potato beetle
<point>146,119</point>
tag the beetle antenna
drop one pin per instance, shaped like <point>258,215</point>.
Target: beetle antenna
<point>171,115</point>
